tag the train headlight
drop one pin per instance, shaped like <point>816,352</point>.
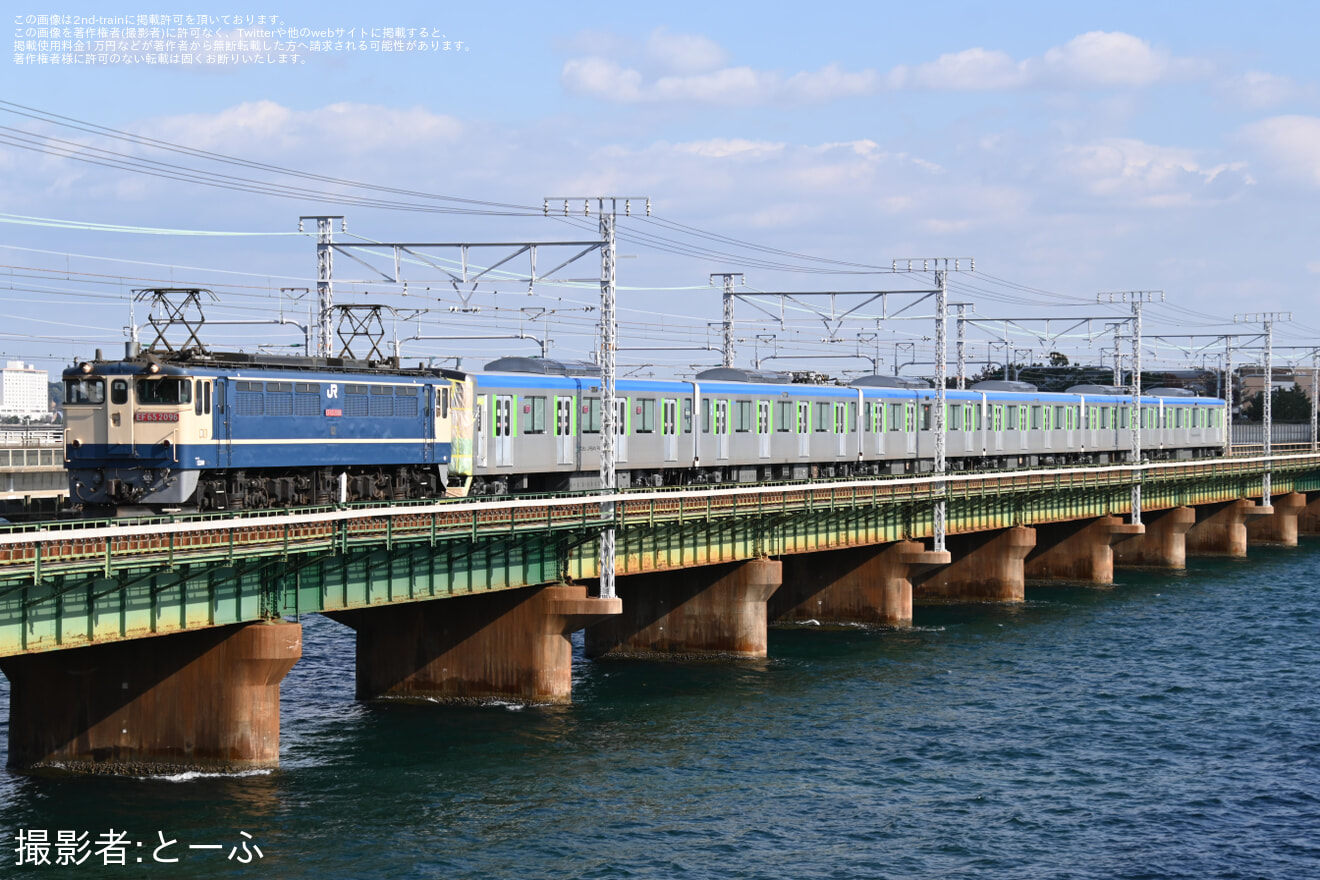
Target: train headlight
<point>85,367</point>
<point>153,368</point>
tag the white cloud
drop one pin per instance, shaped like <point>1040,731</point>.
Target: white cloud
<point>1257,89</point>
<point>343,128</point>
<point>1147,175</point>
<point>1111,59</point>
<point>722,148</point>
<point>693,72</point>
<point>969,70</point>
<point>684,53</point>
<point>1291,144</point>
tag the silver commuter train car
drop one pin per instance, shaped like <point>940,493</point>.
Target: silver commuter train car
<point>536,427</point>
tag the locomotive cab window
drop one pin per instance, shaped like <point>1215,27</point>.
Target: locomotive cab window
<point>84,392</point>
<point>119,392</point>
<point>164,392</point>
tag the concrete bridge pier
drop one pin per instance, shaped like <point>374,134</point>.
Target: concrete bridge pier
<point>986,567</point>
<point>1078,550</point>
<point>1308,521</point>
<point>506,645</point>
<point>714,610</point>
<point>1221,529</point>
<point>201,700</point>
<point>1162,545</point>
<point>1281,528</point>
<point>871,585</point>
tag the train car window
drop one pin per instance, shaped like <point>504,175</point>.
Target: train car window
<point>405,391</point>
<point>307,388</point>
<point>206,398</point>
<point>279,387</point>
<point>895,416</point>
<point>119,391</point>
<point>823,420</point>
<point>742,416</point>
<point>164,392</point>
<point>645,416</point>
<point>442,403</point>
<point>84,392</point>
<point>783,416</point>
<point>197,399</point>
<point>381,389</point>
<point>956,417</point>
<point>355,389</point>
<point>591,416</point>
<point>926,424</point>
<point>687,417</point>
<point>852,417</point>
<point>1010,420</point>
<point>533,410</point>
<point>705,416</point>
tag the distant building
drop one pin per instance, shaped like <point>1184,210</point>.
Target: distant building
<point>23,392</point>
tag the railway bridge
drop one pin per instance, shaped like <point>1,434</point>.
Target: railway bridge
<point>154,645</point>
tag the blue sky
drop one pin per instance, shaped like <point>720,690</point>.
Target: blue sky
<point>1070,148</point>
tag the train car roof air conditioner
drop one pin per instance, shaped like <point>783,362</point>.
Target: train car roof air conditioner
<point>542,367</point>
<point>878,381</point>
<point>1170,392</point>
<point>1005,385</point>
<point>1098,390</point>
<point>738,374</point>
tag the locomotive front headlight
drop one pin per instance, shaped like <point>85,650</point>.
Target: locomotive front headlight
<point>153,368</point>
<point>85,367</point>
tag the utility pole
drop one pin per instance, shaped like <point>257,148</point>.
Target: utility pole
<point>325,239</point>
<point>728,311</point>
<point>1266,320</point>
<point>607,207</point>
<point>1315,394</point>
<point>1136,298</point>
<point>962,346</point>
<point>941,266</point>
<point>1228,395</point>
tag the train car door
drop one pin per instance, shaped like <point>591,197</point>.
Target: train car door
<point>119,425</point>
<point>669,428</point>
<point>502,426</point>
<point>621,429</point>
<point>997,412</point>
<point>223,433</point>
<point>565,440</point>
<point>430,412</point>
<point>910,426</point>
<point>721,429</point>
<point>479,420</point>
<point>763,427</point>
<point>841,428</point>
<point>804,429</point>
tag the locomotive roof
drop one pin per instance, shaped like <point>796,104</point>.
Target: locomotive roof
<point>188,362</point>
